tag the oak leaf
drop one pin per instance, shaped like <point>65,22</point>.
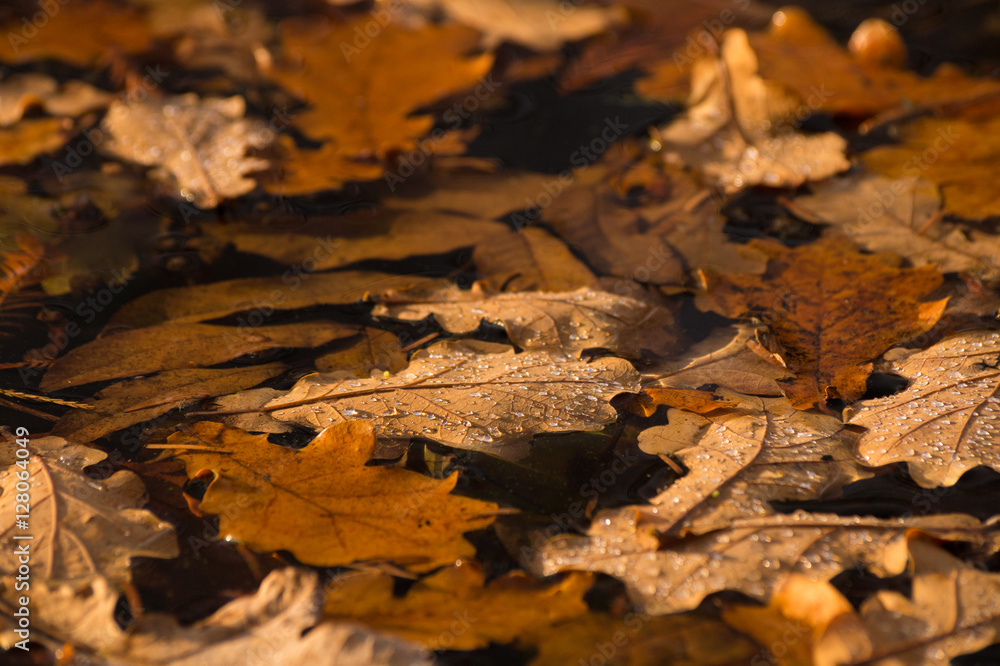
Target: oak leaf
<point>946,421</point>
<point>83,527</point>
<point>829,319</point>
<point>197,145</point>
<point>500,612</point>
<point>569,321</point>
<point>741,459</point>
<point>736,129</point>
<point>472,395</point>
<point>321,502</point>
<point>23,91</point>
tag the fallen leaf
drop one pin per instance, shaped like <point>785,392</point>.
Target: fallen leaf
<point>362,101</point>
<point>472,395</point>
<point>542,25</point>
<point>20,92</point>
<point>137,400</point>
<point>453,610</point>
<point>529,260</point>
<point>740,460</point>
<point>958,154</point>
<point>689,400</point>
<point>829,321</point>
<point>737,131</point>
<point>943,423</point>
<point>374,349</point>
<point>281,620</point>
<point>568,321</point>
<point>82,527</point>
<point>31,138</point>
<point>258,295</point>
<point>753,556</point>
<point>723,359</point>
<point>197,145</point>
<point>176,346</point>
<point>902,216</point>
<point>321,502</point>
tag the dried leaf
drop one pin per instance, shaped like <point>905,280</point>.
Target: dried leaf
<point>689,400</point>
<point>829,320</point>
<point>752,556</point>
<point>137,400</point>
<point>362,101</point>
<point>944,423</point>
<point>736,129</point>
<point>739,460</point>
<point>176,346</point>
<point>374,349</point>
<point>542,25</point>
<point>569,321</point>
<point>468,395</point>
<point>529,260</point>
<point>321,502</point>
<point>197,145</point>
<point>22,91</point>
<point>291,290</point>
<point>501,612</point>
<point>83,528</point>
<point>30,138</point>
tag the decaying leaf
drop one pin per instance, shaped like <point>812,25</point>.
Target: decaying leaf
<point>321,502</point>
<point>361,100</point>
<point>736,129</point>
<point>959,154</point>
<point>830,322</point>
<point>739,460</point>
<point>473,395</point>
<point>542,25</point>
<point>754,556</point>
<point>500,612</point>
<point>945,422</point>
<point>137,400</point>
<point>727,359</point>
<point>23,91</point>
<point>83,528</point>
<point>272,622</point>
<point>176,346</point>
<point>568,321</point>
<point>260,296</point>
<point>198,145</point>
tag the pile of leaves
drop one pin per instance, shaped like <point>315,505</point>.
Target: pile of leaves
<point>312,376</point>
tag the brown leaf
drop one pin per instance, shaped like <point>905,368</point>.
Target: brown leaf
<point>529,260</point>
<point>737,131</point>
<point>83,528</point>
<point>23,91</point>
<point>261,295</point>
<point>832,309</point>
<point>754,556</point>
<point>690,400</point>
<point>569,321</point>
<point>958,154</point>
<point>137,400</point>
<point>362,100</point>
<point>176,346</point>
<point>198,145</point>
<point>30,138</point>
<point>374,349</point>
<point>321,502</point>
<point>944,423</point>
<point>500,612</point>
<point>472,395</point>
<point>740,460</point>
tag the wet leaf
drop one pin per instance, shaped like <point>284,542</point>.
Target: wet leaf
<point>362,101</point>
<point>321,502</point>
<point>957,154</point>
<point>737,131</point>
<point>740,460</point>
<point>23,91</point>
<point>197,145</point>
<point>569,321</point>
<point>273,622</point>
<point>137,400</point>
<point>471,395</point>
<point>452,609</point>
<point>752,556</point>
<point>542,25</point>
<point>829,321</point>
<point>176,346</point>
<point>943,423</point>
<point>83,528</point>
